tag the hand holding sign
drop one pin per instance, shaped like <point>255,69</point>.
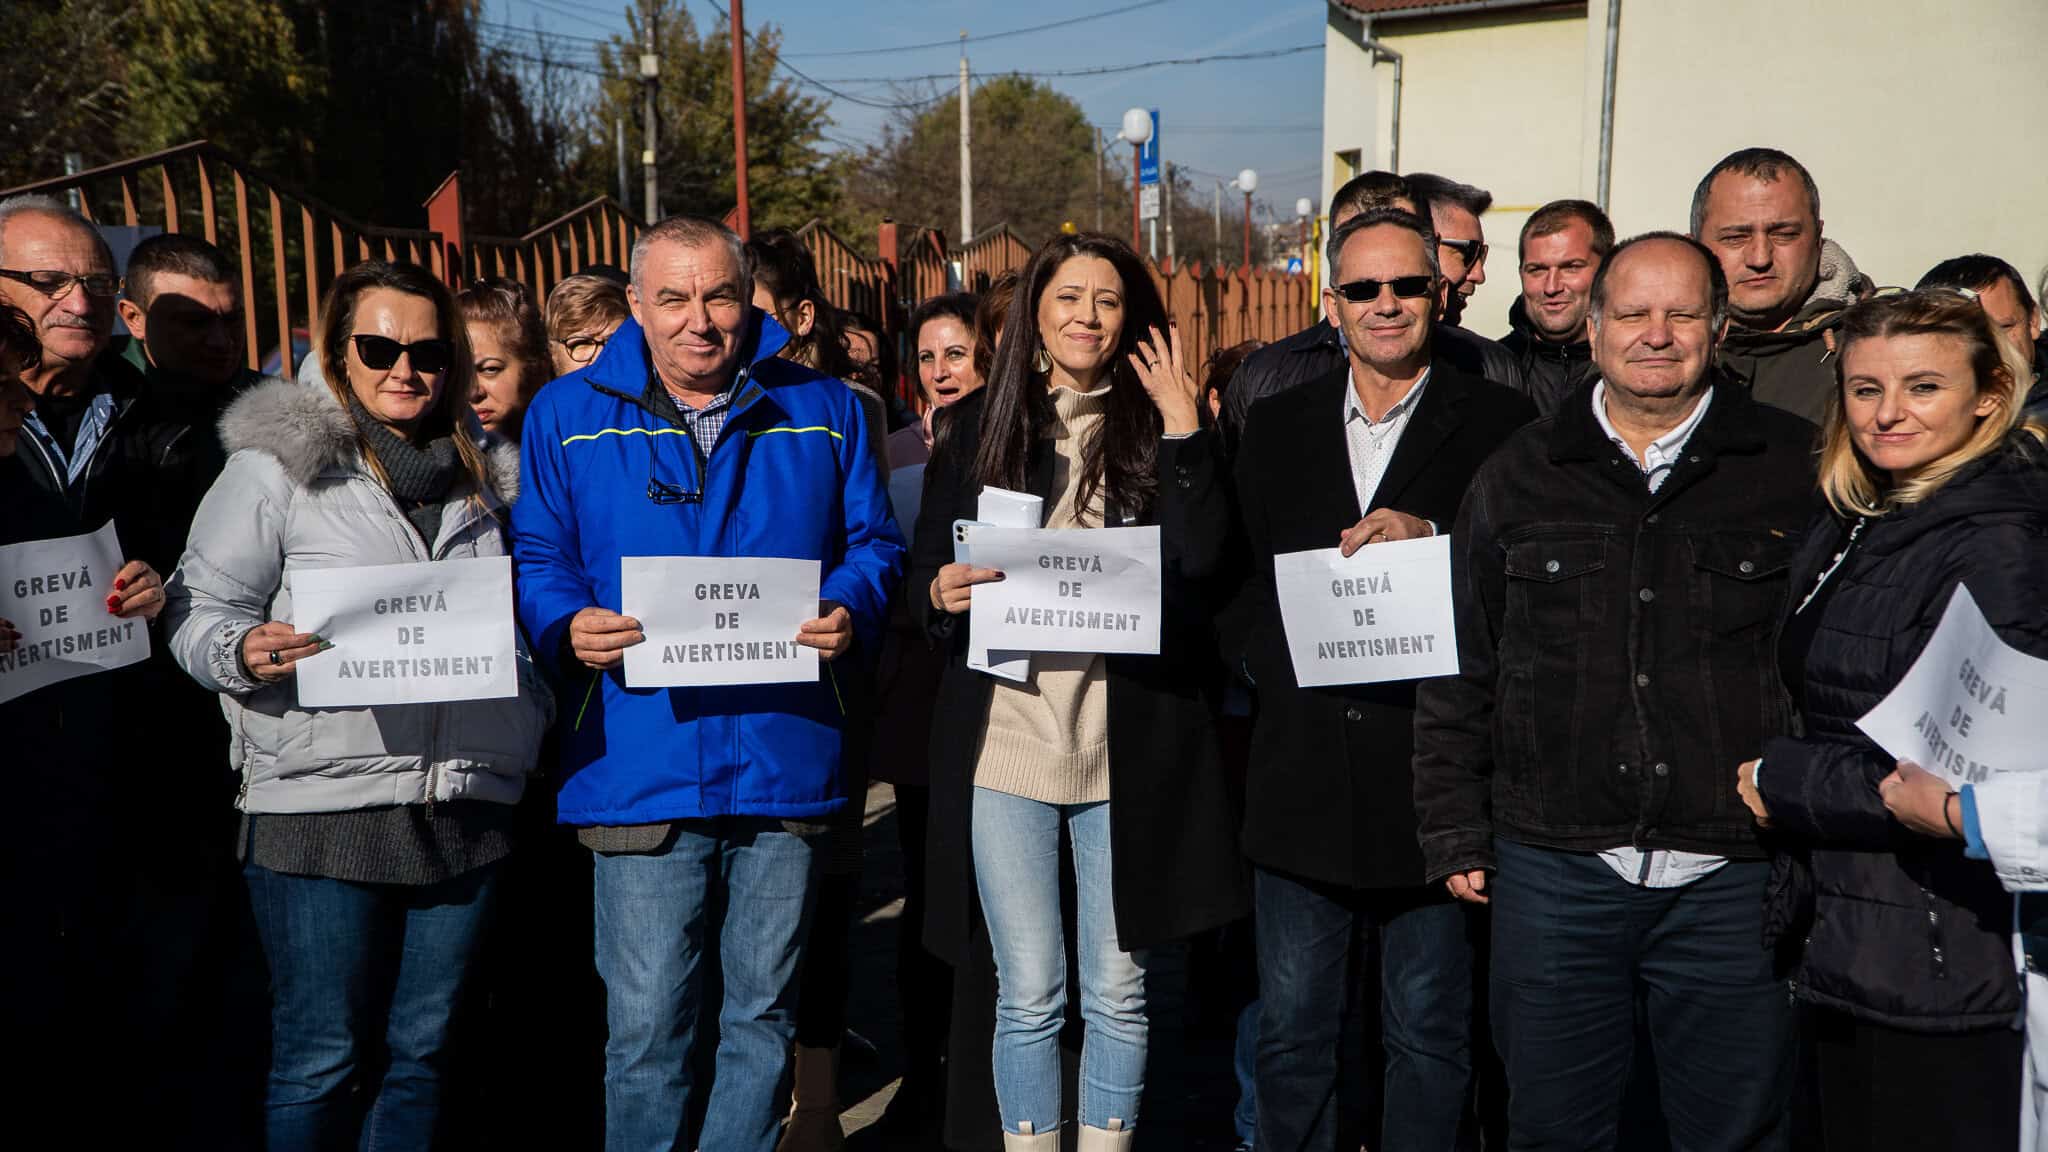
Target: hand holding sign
<point>271,651</point>
<point>138,591</point>
<point>1922,801</point>
<point>831,633</point>
<point>599,637</point>
<point>1382,526</point>
<point>953,591</point>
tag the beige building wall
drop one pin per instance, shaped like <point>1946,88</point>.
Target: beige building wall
<point>1918,118</point>
<point>1499,105</point>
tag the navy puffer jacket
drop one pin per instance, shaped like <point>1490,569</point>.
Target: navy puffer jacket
<point>1900,928</point>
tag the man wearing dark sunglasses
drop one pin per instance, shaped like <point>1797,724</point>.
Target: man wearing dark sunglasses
<point>689,436</point>
<point>1377,450</point>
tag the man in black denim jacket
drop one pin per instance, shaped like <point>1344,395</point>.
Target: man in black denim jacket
<point>1618,570</point>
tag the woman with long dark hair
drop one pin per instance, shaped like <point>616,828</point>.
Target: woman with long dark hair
<point>1904,946</point>
<point>1092,407</point>
<point>372,836</point>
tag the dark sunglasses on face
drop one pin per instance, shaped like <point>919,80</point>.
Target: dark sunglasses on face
<point>1367,291</point>
<point>1472,250</point>
<point>57,285</point>
<point>381,352</point>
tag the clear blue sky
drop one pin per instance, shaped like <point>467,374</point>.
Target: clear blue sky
<point>1217,117</point>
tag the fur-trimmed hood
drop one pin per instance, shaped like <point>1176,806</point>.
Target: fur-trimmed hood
<point>301,425</point>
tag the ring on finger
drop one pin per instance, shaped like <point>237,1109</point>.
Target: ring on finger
<point>276,657</point>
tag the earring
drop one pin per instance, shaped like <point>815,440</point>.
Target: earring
<point>1042,363</point>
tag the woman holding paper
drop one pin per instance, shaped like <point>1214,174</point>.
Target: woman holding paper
<point>1904,962</point>
<point>371,834</point>
<point>1090,406</point>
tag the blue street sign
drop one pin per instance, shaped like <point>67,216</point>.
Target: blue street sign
<point>1148,156</point>
<point>1294,265</point>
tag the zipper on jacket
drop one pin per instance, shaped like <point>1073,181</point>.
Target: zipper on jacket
<point>1934,936</point>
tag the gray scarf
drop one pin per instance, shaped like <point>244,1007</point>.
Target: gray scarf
<point>420,473</point>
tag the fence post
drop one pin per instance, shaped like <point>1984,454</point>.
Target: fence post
<point>444,216</point>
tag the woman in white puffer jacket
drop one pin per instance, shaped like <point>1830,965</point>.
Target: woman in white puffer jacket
<point>371,835</point>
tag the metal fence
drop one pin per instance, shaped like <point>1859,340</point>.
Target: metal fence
<point>289,246</point>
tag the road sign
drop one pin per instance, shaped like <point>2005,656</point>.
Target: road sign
<point>1148,202</point>
<point>1148,157</point>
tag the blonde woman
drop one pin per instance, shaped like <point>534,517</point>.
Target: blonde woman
<point>1905,968</point>
<point>371,836</point>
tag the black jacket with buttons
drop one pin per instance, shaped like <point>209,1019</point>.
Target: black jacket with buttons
<point>1615,645</point>
<point>1329,795</point>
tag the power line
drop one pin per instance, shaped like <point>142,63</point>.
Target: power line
<point>1101,70</point>
<point>1070,21</point>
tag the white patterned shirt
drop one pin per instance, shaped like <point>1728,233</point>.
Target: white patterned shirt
<point>1371,443</point>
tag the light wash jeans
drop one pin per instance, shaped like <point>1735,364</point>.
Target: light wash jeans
<point>654,917</point>
<point>1016,868</point>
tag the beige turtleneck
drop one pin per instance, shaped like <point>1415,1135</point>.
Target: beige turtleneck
<point>1048,739</point>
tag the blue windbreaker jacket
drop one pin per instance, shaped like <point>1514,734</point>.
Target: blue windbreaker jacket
<point>791,475</point>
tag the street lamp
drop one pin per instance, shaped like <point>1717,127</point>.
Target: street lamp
<point>1303,209</point>
<point>1136,131</point>
<point>1248,182</point>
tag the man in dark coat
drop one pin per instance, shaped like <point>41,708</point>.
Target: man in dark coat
<point>1318,349</point>
<point>2002,292</point>
<point>1561,248</point>
<point>1381,451</point>
<point>1758,211</point>
<point>1618,569</point>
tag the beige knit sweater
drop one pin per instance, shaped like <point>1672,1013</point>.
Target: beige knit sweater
<point>1048,738</point>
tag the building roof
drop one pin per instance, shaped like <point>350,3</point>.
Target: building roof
<point>1430,7</point>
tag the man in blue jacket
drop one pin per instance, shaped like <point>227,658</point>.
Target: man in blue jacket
<point>689,437</point>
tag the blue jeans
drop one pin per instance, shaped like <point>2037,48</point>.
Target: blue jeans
<point>335,950</point>
<point>654,913</point>
<point>1016,868</point>
<point>1573,946</point>
<point>1310,937</point>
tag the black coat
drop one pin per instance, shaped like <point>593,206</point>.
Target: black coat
<point>1549,371</point>
<point>1318,350</point>
<point>1330,795</point>
<point>1615,646</point>
<point>1901,928</point>
<point>1173,818</point>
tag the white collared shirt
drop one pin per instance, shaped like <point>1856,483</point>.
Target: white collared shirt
<point>1663,867</point>
<point>1370,443</point>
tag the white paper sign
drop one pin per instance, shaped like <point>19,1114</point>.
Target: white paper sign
<point>1382,614</point>
<point>407,633</point>
<point>1971,705</point>
<point>718,620</point>
<point>1068,590</point>
<point>55,593</point>
<point>1010,510</point>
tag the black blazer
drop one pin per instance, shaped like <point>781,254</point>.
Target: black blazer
<point>1173,818</point>
<point>1330,795</point>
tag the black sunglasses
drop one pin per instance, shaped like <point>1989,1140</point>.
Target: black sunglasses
<point>1367,291</point>
<point>380,352</point>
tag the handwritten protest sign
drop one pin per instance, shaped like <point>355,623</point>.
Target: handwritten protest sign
<point>55,592</point>
<point>1384,613</point>
<point>407,633</point>
<point>1970,707</point>
<point>1073,590</point>
<point>718,620</point>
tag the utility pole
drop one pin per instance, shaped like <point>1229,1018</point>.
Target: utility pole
<point>739,119</point>
<point>1166,209</point>
<point>619,131</point>
<point>1098,179</point>
<point>1219,223</point>
<point>650,78</point>
<point>966,151</point>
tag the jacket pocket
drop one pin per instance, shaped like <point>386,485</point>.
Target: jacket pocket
<point>1553,591</point>
<point>1739,582</point>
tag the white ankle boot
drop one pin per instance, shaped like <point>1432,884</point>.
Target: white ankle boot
<point>1115,1138</point>
<point>1032,1141</point>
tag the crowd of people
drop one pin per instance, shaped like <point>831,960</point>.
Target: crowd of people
<point>1632,877</point>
